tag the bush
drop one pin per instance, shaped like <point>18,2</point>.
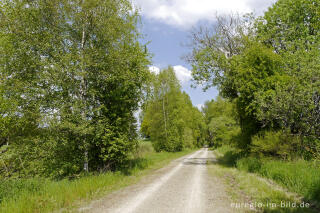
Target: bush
<point>311,148</point>
<point>143,147</point>
<point>279,144</point>
<point>249,164</point>
<point>241,141</point>
<point>230,155</point>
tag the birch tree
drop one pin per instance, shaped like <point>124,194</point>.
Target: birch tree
<point>74,72</point>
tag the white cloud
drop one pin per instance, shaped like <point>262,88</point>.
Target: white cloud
<point>154,69</point>
<point>186,13</point>
<point>182,73</point>
<point>200,106</point>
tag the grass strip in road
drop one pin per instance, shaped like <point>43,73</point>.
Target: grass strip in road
<point>44,195</point>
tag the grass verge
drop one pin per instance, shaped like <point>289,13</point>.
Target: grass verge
<point>251,192</point>
<point>43,195</point>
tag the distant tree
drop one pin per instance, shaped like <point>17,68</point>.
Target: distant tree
<point>222,122</point>
<point>169,118</point>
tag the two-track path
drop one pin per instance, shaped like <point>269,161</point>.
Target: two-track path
<point>183,186</point>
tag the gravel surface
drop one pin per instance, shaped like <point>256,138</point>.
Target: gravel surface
<point>183,186</point>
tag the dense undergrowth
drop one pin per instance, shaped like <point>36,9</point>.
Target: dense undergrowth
<point>45,195</point>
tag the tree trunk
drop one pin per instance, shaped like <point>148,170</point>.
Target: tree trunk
<point>86,160</point>
<point>83,100</point>
<point>164,118</point>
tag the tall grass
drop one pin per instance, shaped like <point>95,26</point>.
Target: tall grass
<point>51,195</point>
<point>302,177</point>
<point>299,176</point>
<point>144,148</point>
<point>44,195</point>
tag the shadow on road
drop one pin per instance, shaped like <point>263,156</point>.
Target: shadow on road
<point>198,161</point>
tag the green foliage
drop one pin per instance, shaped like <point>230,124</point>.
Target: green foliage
<point>214,48</point>
<point>187,138</point>
<point>256,73</point>
<point>249,164</point>
<point>169,118</point>
<point>294,35</point>
<point>290,24</point>
<point>143,148</point>
<point>72,75</point>
<point>221,120</point>
<point>294,102</point>
<point>268,67</point>
<point>280,144</point>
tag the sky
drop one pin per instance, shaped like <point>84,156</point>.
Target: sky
<point>166,25</point>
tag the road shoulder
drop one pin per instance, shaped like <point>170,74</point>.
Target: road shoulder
<point>252,193</point>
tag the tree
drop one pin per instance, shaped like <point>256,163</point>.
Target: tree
<point>169,118</point>
<point>293,34</point>
<point>75,72</point>
<point>273,71</point>
<point>213,49</point>
<point>222,122</point>
<point>239,65</point>
<point>290,25</point>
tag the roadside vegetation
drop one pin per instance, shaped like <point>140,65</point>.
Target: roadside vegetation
<point>251,192</point>
<point>300,177</point>
<point>72,77</point>
<point>46,195</point>
<point>267,118</point>
<point>73,74</point>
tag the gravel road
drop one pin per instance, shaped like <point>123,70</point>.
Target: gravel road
<point>183,186</point>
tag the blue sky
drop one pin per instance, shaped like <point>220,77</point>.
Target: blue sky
<point>166,25</point>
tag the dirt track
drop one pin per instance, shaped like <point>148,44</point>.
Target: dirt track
<point>183,186</point>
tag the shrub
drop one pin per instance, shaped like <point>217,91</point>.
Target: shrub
<point>230,155</point>
<point>249,164</point>
<point>143,147</point>
<point>279,144</point>
<point>311,148</point>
